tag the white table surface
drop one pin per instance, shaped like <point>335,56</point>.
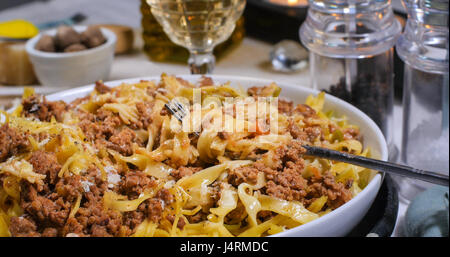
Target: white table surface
<point>250,58</point>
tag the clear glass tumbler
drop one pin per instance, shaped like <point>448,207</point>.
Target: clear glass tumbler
<point>351,55</point>
<point>198,25</point>
<point>424,49</point>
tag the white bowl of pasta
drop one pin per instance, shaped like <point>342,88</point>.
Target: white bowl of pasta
<point>250,183</point>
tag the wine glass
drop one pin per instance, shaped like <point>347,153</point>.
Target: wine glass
<point>198,25</point>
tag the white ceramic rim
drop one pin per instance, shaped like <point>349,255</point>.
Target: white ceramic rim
<point>31,43</point>
<point>376,180</point>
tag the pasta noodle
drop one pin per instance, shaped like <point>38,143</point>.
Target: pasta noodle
<point>120,159</point>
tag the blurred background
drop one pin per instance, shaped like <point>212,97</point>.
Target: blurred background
<point>264,24</point>
<point>98,11</point>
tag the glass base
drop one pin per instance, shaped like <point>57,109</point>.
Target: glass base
<point>410,188</point>
<point>201,62</point>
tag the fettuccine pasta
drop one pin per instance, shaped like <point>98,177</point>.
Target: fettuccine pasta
<point>117,163</point>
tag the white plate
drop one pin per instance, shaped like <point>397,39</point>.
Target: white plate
<point>72,69</point>
<point>338,222</point>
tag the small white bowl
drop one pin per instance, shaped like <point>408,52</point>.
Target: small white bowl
<point>75,68</point>
<point>336,223</point>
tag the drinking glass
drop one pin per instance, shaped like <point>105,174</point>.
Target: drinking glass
<point>423,47</point>
<point>198,25</point>
<point>351,47</point>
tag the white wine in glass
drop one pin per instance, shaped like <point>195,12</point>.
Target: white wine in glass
<point>198,25</point>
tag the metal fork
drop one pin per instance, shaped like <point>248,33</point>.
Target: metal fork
<point>177,111</point>
<point>383,166</point>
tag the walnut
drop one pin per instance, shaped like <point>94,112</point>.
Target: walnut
<point>92,37</point>
<point>66,36</point>
<point>75,48</point>
<point>46,44</point>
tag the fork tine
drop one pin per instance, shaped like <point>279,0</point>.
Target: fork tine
<point>180,107</point>
<point>174,113</point>
<point>176,108</point>
<point>177,104</point>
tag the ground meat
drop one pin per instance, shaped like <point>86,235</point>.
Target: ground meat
<point>93,219</point>
<point>99,222</point>
<point>50,211</point>
<point>145,112</point>
<point>247,174</point>
<point>31,105</point>
<point>198,217</point>
<point>23,227</point>
<point>100,127</point>
<point>12,142</point>
<point>181,222</point>
<point>100,185</point>
<point>284,177</point>
<point>183,82</point>
<point>43,110</point>
<point>215,192</point>
<point>206,81</point>
<point>184,171</point>
<point>282,192</point>
<point>285,106</point>
<point>101,88</point>
<point>193,137</point>
<point>223,135</point>
<point>92,213</point>
<point>155,209</point>
<point>292,152</point>
<point>256,154</point>
<point>122,142</point>
<point>134,183</point>
<point>297,132</point>
<point>291,177</point>
<point>39,137</point>
<point>99,231</point>
<point>69,187</point>
<point>164,112</point>
<point>253,91</point>
<point>165,195</point>
<point>352,133</point>
<point>45,163</point>
<point>73,227</point>
<point>313,133</point>
<point>261,91</point>
<point>305,110</point>
<point>237,215</point>
<point>50,232</point>
<point>133,219</point>
<point>289,183</point>
<point>75,103</point>
<point>265,215</point>
<point>310,132</point>
<point>336,192</point>
<point>107,117</point>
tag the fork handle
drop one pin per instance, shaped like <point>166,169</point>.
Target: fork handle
<point>383,166</point>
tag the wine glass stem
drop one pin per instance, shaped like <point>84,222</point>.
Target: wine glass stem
<point>201,62</point>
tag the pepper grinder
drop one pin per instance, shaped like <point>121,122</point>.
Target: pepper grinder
<point>423,47</point>
<point>351,55</point>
